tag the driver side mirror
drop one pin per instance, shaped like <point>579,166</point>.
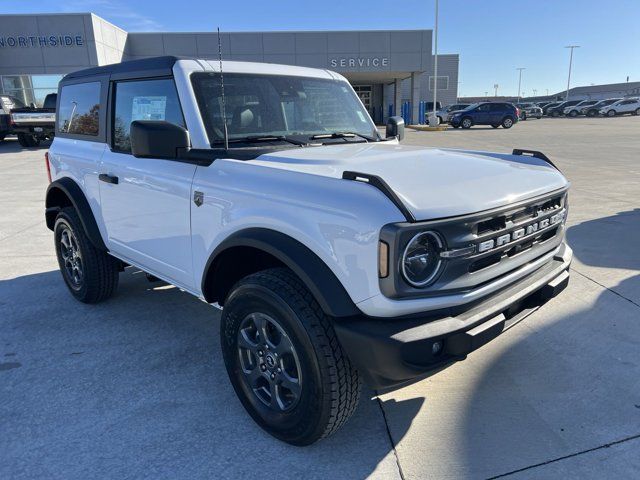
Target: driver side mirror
<point>395,127</point>
<point>157,139</point>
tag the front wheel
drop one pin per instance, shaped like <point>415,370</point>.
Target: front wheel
<point>284,359</point>
<point>90,274</point>
<point>507,122</point>
<point>466,123</point>
<point>573,113</point>
<point>637,112</point>
<point>555,114</point>
<point>611,113</point>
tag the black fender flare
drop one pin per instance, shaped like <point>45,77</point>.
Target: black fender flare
<point>312,271</point>
<point>74,193</point>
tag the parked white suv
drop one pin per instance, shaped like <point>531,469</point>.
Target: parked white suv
<point>575,110</point>
<point>621,107</point>
<point>337,255</point>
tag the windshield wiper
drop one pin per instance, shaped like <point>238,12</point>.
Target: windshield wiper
<point>342,135</point>
<point>267,138</point>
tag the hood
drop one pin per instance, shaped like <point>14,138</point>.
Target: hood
<point>432,183</point>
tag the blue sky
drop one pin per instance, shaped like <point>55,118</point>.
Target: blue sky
<point>493,37</point>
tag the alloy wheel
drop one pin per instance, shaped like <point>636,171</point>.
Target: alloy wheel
<point>71,257</point>
<point>269,362</point>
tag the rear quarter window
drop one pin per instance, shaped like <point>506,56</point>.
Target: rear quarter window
<point>79,110</point>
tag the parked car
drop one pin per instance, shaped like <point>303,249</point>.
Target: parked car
<point>575,110</point>
<point>33,124</point>
<point>268,197</point>
<point>543,104</point>
<point>528,110</point>
<point>558,110</point>
<point>7,103</point>
<point>622,107</point>
<point>593,110</point>
<point>486,113</point>
<point>546,108</point>
<point>445,113</point>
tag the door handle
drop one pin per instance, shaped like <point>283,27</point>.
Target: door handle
<point>104,177</point>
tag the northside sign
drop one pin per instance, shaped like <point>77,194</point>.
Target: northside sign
<point>34,41</point>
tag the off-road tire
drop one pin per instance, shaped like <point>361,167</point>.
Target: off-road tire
<point>330,385</point>
<point>100,270</point>
<point>28,141</point>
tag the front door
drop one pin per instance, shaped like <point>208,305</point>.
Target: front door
<point>146,202</point>
<point>364,92</point>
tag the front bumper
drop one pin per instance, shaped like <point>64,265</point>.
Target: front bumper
<point>392,351</point>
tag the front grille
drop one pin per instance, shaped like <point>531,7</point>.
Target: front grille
<point>503,240</point>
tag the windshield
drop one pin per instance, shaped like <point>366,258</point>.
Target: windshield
<point>279,106</point>
<point>471,107</point>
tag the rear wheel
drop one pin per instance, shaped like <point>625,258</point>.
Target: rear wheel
<point>555,113</point>
<point>90,274</point>
<point>637,112</point>
<point>495,126</point>
<point>28,141</point>
<point>466,123</point>
<point>507,122</point>
<point>2,136</point>
<point>284,359</point>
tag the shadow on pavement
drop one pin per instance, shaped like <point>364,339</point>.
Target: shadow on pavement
<point>567,380</point>
<point>136,387</point>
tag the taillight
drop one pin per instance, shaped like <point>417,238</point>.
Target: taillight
<point>47,165</point>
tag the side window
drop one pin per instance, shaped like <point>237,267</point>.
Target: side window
<point>143,100</point>
<point>484,108</point>
<point>80,109</point>
<point>497,107</point>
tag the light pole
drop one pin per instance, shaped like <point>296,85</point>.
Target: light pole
<point>535,92</point>
<point>486,95</point>
<point>566,97</point>
<point>433,119</point>
<point>520,69</point>
<point>495,88</point>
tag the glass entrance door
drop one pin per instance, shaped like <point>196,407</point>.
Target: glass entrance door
<point>364,92</point>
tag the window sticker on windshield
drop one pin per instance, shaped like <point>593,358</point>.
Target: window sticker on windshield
<point>361,115</point>
<point>148,108</point>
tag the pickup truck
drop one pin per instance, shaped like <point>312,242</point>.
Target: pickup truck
<point>33,124</point>
<point>337,254</point>
<point>7,103</point>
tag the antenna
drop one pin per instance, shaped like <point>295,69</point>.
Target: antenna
<point>224,112</point>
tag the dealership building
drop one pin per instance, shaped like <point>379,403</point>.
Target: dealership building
<point>391,70</point>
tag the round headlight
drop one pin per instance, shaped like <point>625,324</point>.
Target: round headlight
<point>421,259</point>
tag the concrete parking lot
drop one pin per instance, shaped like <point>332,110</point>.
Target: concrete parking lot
<point>136,387</point>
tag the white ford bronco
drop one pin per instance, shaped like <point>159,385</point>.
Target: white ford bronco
<point>337,255</point>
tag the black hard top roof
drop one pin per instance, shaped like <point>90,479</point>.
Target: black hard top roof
<point>153,66</point>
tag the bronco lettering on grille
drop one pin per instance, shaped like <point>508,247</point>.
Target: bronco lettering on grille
<point>520,233</point>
